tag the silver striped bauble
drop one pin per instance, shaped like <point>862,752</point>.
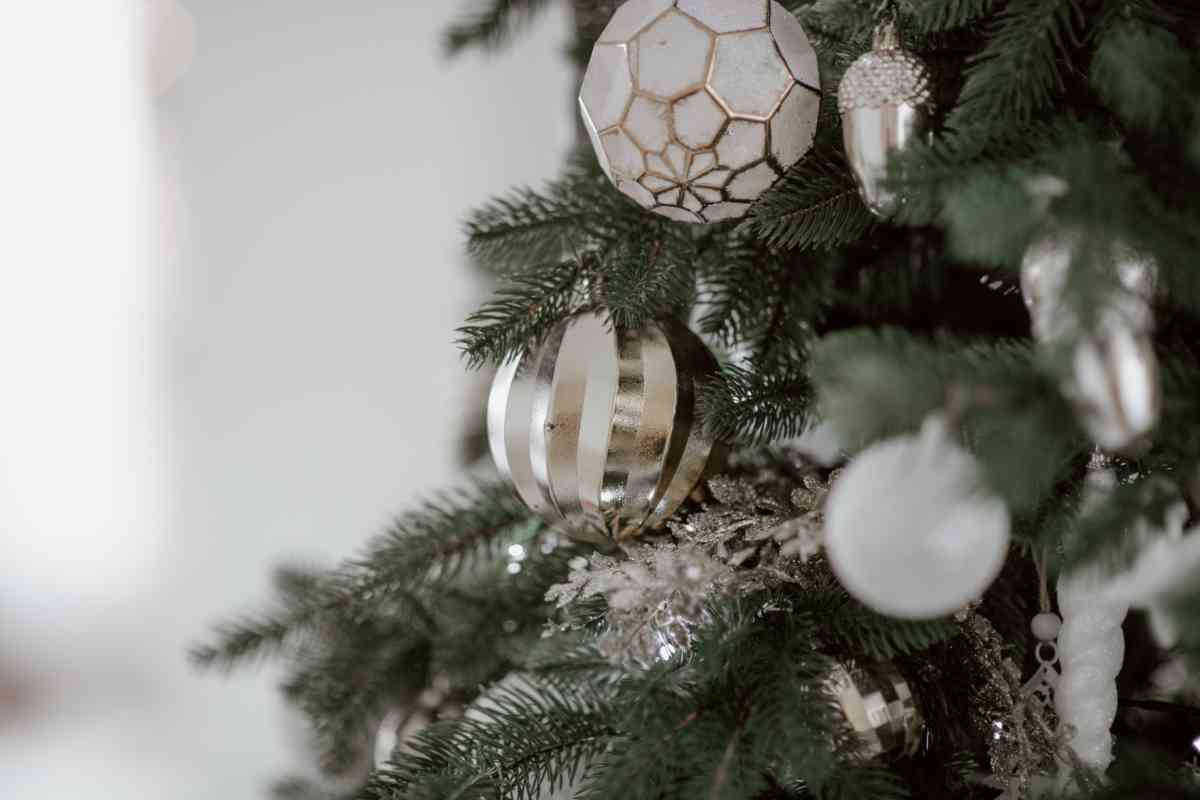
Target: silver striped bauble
<point>598,428</point>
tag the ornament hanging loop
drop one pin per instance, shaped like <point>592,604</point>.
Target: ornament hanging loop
<point>886,36</point>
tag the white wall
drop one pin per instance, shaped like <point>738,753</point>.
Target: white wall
<point>272,383</point>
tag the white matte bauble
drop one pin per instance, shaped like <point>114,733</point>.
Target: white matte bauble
<point>909,529</point>
<point>697,107</point>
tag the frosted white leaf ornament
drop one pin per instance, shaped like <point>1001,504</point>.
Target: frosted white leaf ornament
<point>598,429</point>
<point>909,530</point>
<point>697,107</point>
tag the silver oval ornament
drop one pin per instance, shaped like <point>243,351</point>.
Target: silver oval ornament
<point>1113,382</point>
<point>884,101</point>
<point>598,429</point>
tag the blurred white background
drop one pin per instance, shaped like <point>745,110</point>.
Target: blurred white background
<point>226,326</point>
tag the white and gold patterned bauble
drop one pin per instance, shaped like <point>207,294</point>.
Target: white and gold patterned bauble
<point>598,429</point>
<point>909,529</point>
<point>697,107</point>
<point>884,101</point>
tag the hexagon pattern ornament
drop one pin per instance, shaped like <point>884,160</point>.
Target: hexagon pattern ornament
<point>696,107</point>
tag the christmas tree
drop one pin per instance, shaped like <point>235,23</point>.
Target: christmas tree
<point>850,389</point>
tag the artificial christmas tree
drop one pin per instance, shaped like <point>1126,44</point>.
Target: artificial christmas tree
<point>716,653</point>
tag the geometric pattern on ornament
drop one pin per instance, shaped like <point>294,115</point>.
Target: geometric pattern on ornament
<point>697,107</point>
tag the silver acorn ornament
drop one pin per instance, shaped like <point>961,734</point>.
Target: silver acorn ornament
<point>884,100</point>
<point>1113,381</point>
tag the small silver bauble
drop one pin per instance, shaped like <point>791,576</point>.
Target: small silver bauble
<point>599,428</point>
<point>1114,382</point>
<point>884,100</point>
<point>879,705</point>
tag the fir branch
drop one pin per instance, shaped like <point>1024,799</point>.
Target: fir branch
<point>876,384</point>
<point>245,640</point>
<point>492,27</point>
<point>428,546</point>
<point>517,741</point>
<point>571,215</point>
<point>440,540</point>
<point>863,782</point>
<point>991,197</point>
<point>931,16</point>
<point>748,404</point>
<point>927,172</point>
<point>725,725</point>
<point>815,205</point>
<point>865,632</point>
<point>1108,532</point>
<point>521,313</point>
<point>1143,74</point>
<point>761,300</point>
<point>254,638</point>
<point>645,280</point>
<point>1022,66</point>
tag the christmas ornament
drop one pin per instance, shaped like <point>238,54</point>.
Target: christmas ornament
<point>1041,686</point>
<point>696,107</point>
<point>910,531</point>
<point>599,428</point>
<point>1167,565</point>
<point>1114,382</point>
<point>1045,627</point>
<point>1091,648</point>
<point>879,706</point>
<point>884,100</point>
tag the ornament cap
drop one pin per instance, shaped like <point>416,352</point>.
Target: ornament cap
<point>885,75</point>
<point>886,37</point>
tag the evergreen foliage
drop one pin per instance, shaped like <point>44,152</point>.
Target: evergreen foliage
<point>1054,115</point>
<point>491,27</point>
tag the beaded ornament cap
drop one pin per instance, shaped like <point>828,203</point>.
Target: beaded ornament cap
<point>885,75</point>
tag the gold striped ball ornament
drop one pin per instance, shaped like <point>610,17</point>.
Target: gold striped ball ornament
<point>598,428</point>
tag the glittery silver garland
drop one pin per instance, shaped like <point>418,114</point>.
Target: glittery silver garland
<point>1020,729</point>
